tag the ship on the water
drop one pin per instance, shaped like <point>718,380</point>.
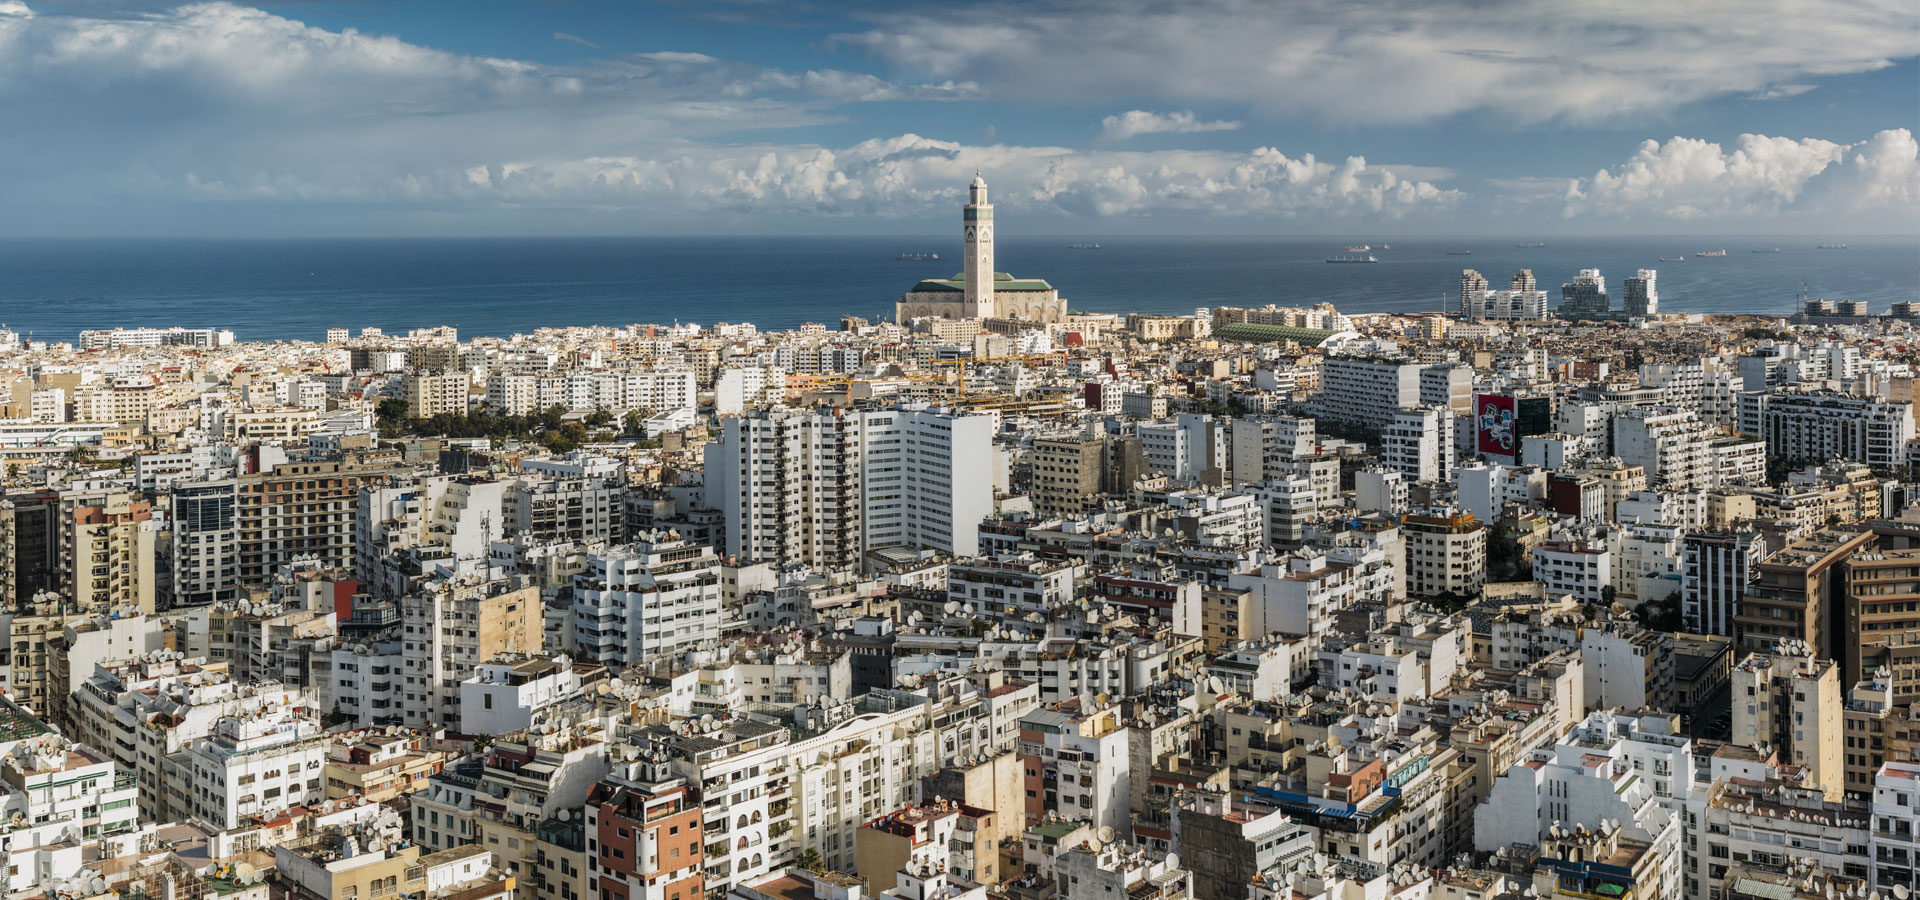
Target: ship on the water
<point>1774,250</point>
<point>1711,253</point>
<point>1673,259</point>
<point>1083,246</point>
<point>1531,246</point>
<point>917,257</point>
<point>1362,248</point>
<point>1459,252</point>
<point>1366,258</point>
<point>1833,246</point>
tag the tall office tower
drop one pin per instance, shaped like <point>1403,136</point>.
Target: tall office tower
<point>1585,297</point>
<point>1522,281</point>
<point>1640,296</point>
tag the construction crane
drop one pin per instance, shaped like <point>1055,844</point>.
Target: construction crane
<point>962,362</point>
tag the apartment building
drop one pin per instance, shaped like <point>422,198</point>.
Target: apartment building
<point>1446,553</point>
<point>652,599</point>
<point>1817,426</point>
<point>1418,443</point>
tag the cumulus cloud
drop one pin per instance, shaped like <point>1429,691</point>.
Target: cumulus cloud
<point>899,177</point>
<point>1689,178</point>
<point>1135,122</point>
<point>1396,61</point>
<point>217,106</point>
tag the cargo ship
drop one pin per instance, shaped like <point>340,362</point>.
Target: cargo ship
<point>1833,246</point>
<point>1711,253</point>
<point>1459,252</point>
<point>917,257</point>
<point>1083,246</point>
<point>1352,259</point>
<point>1673,259</point>
<point>1774,250</point>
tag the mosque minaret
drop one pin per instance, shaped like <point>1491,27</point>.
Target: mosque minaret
<point>978,273</point>
<point>978,292</point>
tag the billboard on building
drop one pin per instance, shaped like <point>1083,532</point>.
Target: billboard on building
<point>1496,426</point>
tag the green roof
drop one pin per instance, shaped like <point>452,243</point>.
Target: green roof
<point>1001,282</point>
<point>1241,331</point>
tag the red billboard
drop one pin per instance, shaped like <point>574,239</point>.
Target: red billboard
<point>1494,423</point>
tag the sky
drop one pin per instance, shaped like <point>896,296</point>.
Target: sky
<point>1087,117</point>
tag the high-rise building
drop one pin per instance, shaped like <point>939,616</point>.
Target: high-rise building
<point>1520,302</point>
<point>1715,569</point>
<point>1473,288</point>
<point>113,550</point>
<point>1418,443</point>
<point>1670,444</point>
<point>1639,296</point>
<point>205,550</point>
<point>433,393</point>
<point>1585,297</point>
<point>1446,553</point>
<point>1790,700</point>
<point>1794,596</point>
<point>822,487</point>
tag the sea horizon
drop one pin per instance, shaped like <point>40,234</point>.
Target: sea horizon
<point>281,288</point>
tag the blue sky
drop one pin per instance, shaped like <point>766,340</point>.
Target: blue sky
<point>374,117</point>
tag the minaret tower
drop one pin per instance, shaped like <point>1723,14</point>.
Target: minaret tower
<point>978,274</point>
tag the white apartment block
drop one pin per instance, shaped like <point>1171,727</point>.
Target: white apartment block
<point>1582,570</point>
<point>657,597</point>
<point>1418,443</point>
<point>1671,445</point>
<point>824,487</point>
<point>253,764</point>
<point>1819,426</point>
<point>1367,390</point>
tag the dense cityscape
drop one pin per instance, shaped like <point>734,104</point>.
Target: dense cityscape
<point>1000,599</point>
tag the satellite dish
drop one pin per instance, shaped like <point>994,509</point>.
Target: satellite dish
<point>1173,860</point>
<point>1105,834</point>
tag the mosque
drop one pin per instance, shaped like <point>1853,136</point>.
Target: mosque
<point>979,292</point>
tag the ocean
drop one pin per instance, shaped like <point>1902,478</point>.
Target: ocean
<point>296,289</point>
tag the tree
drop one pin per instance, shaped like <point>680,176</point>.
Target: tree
<point>635,423</point>
<point>809,859</point>
<point>599,418</point>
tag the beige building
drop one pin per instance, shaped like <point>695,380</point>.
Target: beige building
<point>112,551</point>
<point>1446,553</point>
<point>432,393</point>
<point>1791,702</point>
<point>1066,475</point>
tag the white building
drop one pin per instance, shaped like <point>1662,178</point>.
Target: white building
<point>824,487</point>
<point>255,764</point>
<point>1671,445</point>
<point>508,695</point>
<point>656,597</point>
<point>1418,442</point>
<point>1819,426</point>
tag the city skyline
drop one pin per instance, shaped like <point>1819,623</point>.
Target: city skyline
<point>423,119</point>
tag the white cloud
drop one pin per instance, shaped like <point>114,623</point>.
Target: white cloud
<point>1689,178</point>
<point>890,178</point>
<point>1397,61</point>
<point>219,107</point>
<point>1135,122</point>
<point>574,39</point>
